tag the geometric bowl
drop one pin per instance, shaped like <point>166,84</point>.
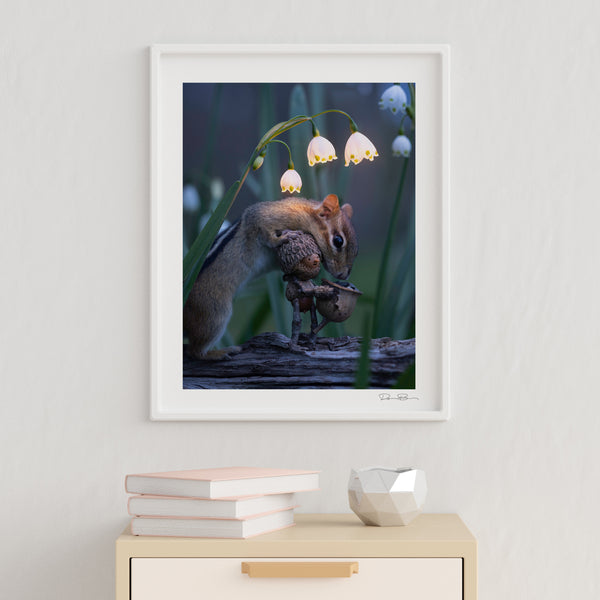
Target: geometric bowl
<point>387,497</point>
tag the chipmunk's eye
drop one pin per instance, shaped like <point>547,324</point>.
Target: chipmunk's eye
<point>338,241</point>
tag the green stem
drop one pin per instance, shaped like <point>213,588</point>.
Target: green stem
<point>361,380</point>
<point>353,126</point>
<point>298,120</point>
<point>215,107</point>
<point>379,297</point>
<point>290,162</point>
<point>411,110</point>
<point>401,128</point>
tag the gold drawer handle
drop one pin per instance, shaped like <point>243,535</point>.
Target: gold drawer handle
<point>299,569</point>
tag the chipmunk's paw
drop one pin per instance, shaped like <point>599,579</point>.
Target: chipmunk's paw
<point>231,351</point>
<point>221,354</point>
<point>287,235</point>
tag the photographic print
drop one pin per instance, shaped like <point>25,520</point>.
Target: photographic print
<point>301,243</point>
<point>316,248</point>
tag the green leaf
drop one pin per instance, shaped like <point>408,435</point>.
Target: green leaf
<point>280,128</point>
<point>362,373</point>
<point>209,146</point>
<point>342,180</point>
<point>316,92</point>
<point>407,379</point>
<point>194,259</point>
<point>323,173</point>
<point>299,139</point>
<point>271,133</point>
<point>281,308</point>
<point>398,306</point>
<point>383,269</point>
<point>257,318</point>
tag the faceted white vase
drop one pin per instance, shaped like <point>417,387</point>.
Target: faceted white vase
<point>387,497</point>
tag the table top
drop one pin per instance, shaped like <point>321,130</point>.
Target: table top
<point>321,535</point>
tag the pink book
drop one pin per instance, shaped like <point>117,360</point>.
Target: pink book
<point>223,482</point>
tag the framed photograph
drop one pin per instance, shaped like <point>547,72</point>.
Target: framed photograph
<point>299,243</point>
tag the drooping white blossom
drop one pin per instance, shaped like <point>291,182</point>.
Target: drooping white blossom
<point>394,99</point>
<point>291,181</point>
<point>359,146</point>
<point>191,198</point>
<point>401,146</point>
<point>320,150</point>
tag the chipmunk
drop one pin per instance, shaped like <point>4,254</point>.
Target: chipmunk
<point>245,250</point>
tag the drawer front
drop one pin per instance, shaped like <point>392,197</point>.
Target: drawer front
<point>199,578</point>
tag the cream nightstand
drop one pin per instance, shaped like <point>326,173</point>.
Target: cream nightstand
<point>323,557</point>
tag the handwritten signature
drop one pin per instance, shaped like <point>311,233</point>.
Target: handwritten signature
<point>384,396</point>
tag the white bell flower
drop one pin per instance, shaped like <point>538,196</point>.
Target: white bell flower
<point>359,146</point>
<point>191,198</point>
<point>290,181</point>
<point>320,150</point>
<point>401,146</point>
<point>394,99</point>
<point>217,188</point>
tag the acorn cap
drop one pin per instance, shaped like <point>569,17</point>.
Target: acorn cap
<point>294,251</point>
<point>340,306</point>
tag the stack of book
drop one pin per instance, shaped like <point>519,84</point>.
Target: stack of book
<point>232,502</point>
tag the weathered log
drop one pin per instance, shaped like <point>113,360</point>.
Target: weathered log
<point>266,362</point>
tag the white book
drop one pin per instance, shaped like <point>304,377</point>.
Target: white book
<point>223,482</point>
<point>212,528</point>
<point>225,508</point>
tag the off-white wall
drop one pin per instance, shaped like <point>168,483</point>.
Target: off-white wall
<point>519,458</point>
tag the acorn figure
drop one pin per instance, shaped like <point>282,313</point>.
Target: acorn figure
<point>300,260</point>
<point>300,256</point>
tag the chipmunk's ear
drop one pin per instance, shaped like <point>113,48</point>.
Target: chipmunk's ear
<point>347,210</point>
<point>329,207</point>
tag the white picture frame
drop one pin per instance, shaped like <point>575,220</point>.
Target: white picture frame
<point>425,65</point>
